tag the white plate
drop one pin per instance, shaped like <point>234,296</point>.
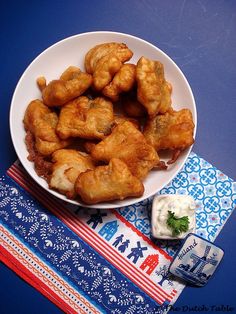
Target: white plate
<point>71,51</point>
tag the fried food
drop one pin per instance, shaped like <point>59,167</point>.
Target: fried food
<point>70,73</point>
<point>173,130</point>
<point>67,165</point>
<point>105,70</point>
<point>132,107</point>
<point>42,122</point>
<point>94,55</point>
<point>41,82</point>
<point>127,143</point>
<point>71,84</point>
<point>42,164</point>
<point>118,119</point>
<point>123,81</point>
<point>107,183</point>
<point>89,145</point>
<point>122,143</point>
<point>153,92</point>
<point>104,61</point>
<point>85,118</point>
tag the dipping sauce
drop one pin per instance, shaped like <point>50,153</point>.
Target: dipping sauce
<point>180,206</point>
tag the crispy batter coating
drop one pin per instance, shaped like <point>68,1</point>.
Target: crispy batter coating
<point>122,143</point>
<point>70,73</point>
<point>154,92</point>
<point>67,165</point>
<point>118,119</point>
<point>85,118</point>
<point>107,183</point>
<point>173,130</point>
<point>41,82</point>
<point>123,81</point>
<point>127,143</point>
<point>42,122</point>
<point>120,50</point>
<point>132,107</point>
<point>89,145</point>
<point>107,67</point>
<point>71,84</point>
<point>104,60</point>
<point>42,164</point>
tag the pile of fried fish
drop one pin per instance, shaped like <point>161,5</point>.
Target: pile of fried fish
<point>96,134</point>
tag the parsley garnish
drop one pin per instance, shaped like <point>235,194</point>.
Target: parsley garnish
<point>177,225</point>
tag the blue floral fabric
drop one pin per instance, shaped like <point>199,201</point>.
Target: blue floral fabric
<point>213,191</point>
<point>86,270</point>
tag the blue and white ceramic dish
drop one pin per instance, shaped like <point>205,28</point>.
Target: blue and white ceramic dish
<point>197,260</point>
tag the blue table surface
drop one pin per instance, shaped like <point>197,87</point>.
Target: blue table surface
<point>200,37</point>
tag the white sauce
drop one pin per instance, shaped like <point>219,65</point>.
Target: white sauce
<point>180,205</point>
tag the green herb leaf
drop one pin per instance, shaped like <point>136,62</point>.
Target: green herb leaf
<point>177,225</point>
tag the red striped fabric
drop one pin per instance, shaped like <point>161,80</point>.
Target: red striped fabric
<point>89,236</point>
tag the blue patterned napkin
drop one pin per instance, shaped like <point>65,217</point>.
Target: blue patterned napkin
<point>103,261</point>
<point>213,191</point>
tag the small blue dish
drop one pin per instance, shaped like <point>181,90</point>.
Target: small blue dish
<point>196,260</point>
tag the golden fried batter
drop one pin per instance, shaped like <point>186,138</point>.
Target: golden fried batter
<point>122,143</point>
<point>105,70</point>
<point>70,73</point>
<point>41,82</point>
<point>123,81</point>
<point>153,90</point>
<point>132,107</point>
<point>42,122</point>
<point>104,60</point>
<point>85,118</point>
<point>89,145</point>
<point>118,119</point>
<point>127,143</point>
<point>173,130</point>
<point>120,50</point>
<point>71,84</point>
<point>107,183</point>
<point>67,165</point>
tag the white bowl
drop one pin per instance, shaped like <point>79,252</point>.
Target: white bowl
<point>71,51</point>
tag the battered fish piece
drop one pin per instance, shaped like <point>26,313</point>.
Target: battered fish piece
<point>42,122</point>
<point>107,183</point>
<point>123,81</point>
<point>104,60</point>
<point>71,84</point>
<point>127,143</point>
<point>67,165</point>
<point>154,93</point>
<point>42,164</point>
<point>86,118</point>
<point>173,130</point>
<point>70,73</point>
<point>118,119</point>
<point>132,107</point>
<point>94,55</point>
<point>105,70</point>
<point>89,145</point>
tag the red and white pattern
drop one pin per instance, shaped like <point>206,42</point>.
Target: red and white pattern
<point>25,263</point>
<point>137,273</point>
